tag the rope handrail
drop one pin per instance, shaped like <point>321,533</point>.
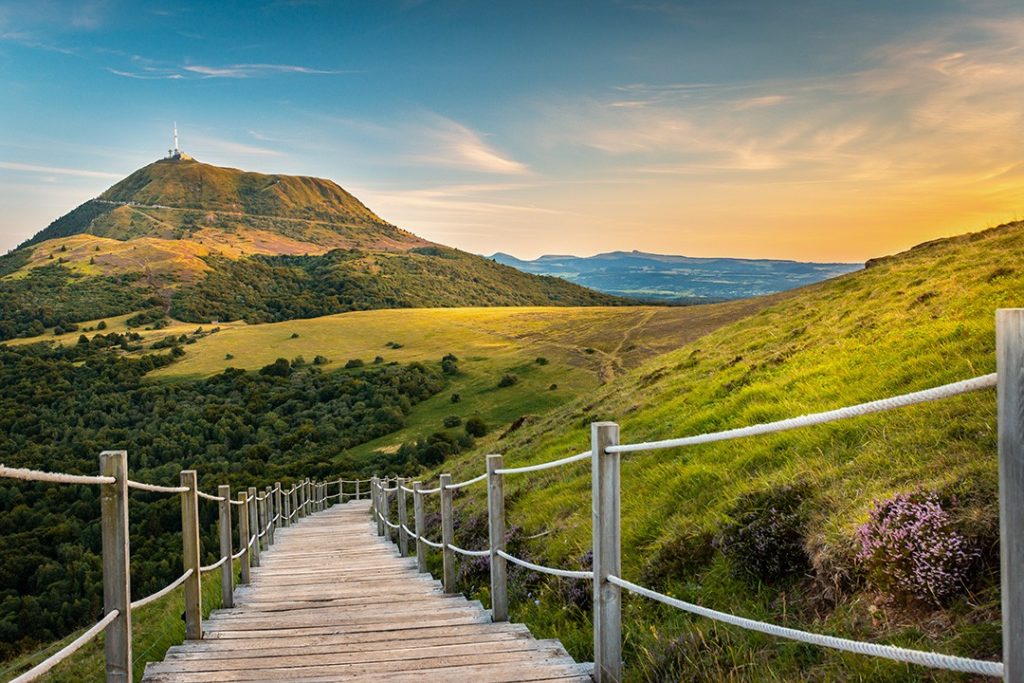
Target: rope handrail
<point>469,553</point>
<point>52,477</point>
<point>207,496</point>
<point>237,555</point>
<point>899,654</point>
<point>141,602</point>
<point>565,573</point>
<point>156,488</point>
<point>407,490</point>
<point>439,546</point>
<point>72,647</point>
<point>210,567</point>
<point>389,489</point>
<point>409,531</point>
<point>468,482</point>
<point>393,526</point>
<point>545,465</point>
<point>430,491</point>
<point>881,405</point>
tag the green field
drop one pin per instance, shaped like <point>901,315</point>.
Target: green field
<point>909,322</point>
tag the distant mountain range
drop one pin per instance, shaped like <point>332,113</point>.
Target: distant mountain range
<point>681,279</point>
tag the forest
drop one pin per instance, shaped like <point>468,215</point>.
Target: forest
<point>61,406</point>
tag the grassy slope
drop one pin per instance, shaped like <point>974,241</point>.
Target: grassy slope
<point>911,322</point>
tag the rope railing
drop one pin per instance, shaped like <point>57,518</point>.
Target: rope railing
<point>142,602</point>
<point>564,573</point>
<point>207,496</point>
<point>72,647</point>
<point>899,654</point>
<point>52,477</point>
<point>885,404</point>
<point>210,567</point>
<point>604,454</point>
<point>156,488</point>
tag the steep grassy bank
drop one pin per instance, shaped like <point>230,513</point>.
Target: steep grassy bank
<point>912,321</point>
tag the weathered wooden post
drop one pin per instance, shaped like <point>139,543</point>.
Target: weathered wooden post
<point>386,511</point>
<point>227,570</point>
<point>341,491</point>
<point>244,535</point>
<point>295,503</point>
<point>271,522</point>
<point>447,534</point>
<point>606,518</point>
<point>1010,366</point>
<point>117,589</point>
<point>418,514</point>
<point>278,506</point>
<point>357,492</point>
<point>496,533</point>
<point>286,500</point>
<point>261,508</point>
<point>403,520</point>
<point>378,509</point>
<point>254,528</point>
<point>190,556</point>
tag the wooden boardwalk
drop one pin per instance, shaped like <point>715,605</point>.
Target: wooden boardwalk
<point>334,602</point>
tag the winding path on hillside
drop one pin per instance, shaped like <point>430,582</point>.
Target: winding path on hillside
<point>332,601</point>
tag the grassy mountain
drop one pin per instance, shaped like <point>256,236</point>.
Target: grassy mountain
<point>663,277</point>
<point>911,321</point>
<point>204,243</point>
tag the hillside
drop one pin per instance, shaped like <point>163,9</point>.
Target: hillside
<point>910,321</point>
<point>663,277</point>
<point>207,243</point>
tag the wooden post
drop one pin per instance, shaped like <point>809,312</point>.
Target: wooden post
<point>378,485</point>
<point>403,520</point>
<point>357,492</point>
<point>190,556</point>
<point>227,570</point>
<point>607,553</point>
<point>341,491</point>
<point>385,505</point>
<point>295,503</point>
<point>243,536</point>
<point>418,517</point>
<point>447,534</point>
<point>286,500</point>
<point>1010,366</point>
<point>496,532</point>
<point>117,589</point>
<point>278,505</point>
<point>254,528</point>
<point>261,508</point>
<point>270,515</point>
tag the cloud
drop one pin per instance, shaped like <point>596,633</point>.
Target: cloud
<point>146,76</point>
<point>454,145</point>
<point>202,145</point>
<point>253,70</point>
<point>32,168</point>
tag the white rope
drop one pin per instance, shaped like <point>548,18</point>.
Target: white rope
<point>241,552</point>
<point>393,526</point>
<point>207,496</point>
<point>565,573</point>
<point>945,391</point>
<point>52,477</point>
<point>211,567</point>
<point>154,488</point>
<point>252,539</point>
<point>544,465</point>
<point>141,602</point>
<point>389,490</point>
<point>410,532</point>
<point>69,649</point>
<point>470,553</point>
<point>237,502</point>
<point>439,546</point>
<point>899,654</point>
<point>407,490</point>
<point>336,495</point>
<point>452,487</point>
<point>429,491</point>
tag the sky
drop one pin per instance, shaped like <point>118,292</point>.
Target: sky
<point>810,130</point>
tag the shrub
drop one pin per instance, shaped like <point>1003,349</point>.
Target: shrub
<point>507,380</point>
<point>452,421</point>
<point>102,325</point>
<point>449,364</point>
<point>279,368</point>
<point>553,387</point>
<point>910,548</point>
<point>765,540</point>
<point>295,335</point>
<point>229,356</point>
<point>475,426</point>
<point>354,363</point>
<point>320,360</point>
<point>541,360</point>
<point>377,360</point>
<point>456,398</point>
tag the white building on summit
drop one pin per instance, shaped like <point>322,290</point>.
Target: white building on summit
<point>175,154</point>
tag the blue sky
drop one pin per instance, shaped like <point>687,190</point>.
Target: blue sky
<point>812,130</point>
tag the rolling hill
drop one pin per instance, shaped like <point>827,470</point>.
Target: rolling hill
<point>662,277</point>
<point>910,321</point>
<point>207,243</point>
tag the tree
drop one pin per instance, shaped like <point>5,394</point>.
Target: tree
<point>475,426</point>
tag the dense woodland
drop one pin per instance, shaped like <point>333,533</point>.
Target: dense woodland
<point>61,406</point>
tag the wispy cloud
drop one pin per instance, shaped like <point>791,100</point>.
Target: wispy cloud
<point>203,145</point>
<point>254,70</point>
<point>50,170</point>
<point>455,145</point>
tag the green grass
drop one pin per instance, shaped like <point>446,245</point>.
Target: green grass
<point>910,322</point>
<point>155,628</point>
